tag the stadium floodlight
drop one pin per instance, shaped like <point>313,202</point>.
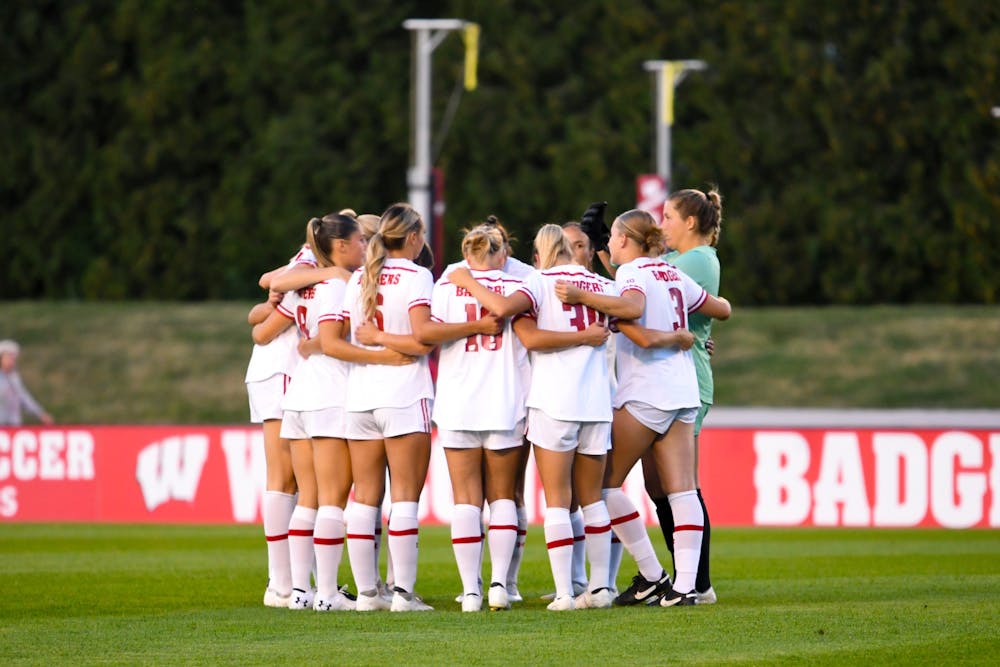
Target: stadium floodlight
<point>428,35</point>
<point>668,75</point>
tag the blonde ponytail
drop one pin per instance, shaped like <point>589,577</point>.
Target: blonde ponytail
<point>551,246</point>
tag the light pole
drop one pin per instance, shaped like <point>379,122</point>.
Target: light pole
<point>428,35</point>
<point>668,75</point>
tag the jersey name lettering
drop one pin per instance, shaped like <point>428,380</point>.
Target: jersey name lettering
<point>461,291</point>
<point>388,278</point>
<point>668,275</point>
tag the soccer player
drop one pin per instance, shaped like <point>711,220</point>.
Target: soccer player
<point>271,364</point>
<point>568,409</point>
<point>656,402</point>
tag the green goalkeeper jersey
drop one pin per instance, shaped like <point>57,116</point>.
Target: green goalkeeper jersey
<point>702,265</point>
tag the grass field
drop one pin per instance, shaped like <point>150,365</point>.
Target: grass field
<point>142,363</point>
<point>89,594</point>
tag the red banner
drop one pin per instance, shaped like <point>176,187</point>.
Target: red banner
<point>766,477</point>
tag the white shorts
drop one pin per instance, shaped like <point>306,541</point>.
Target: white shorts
<point>265,398</point>
<point>482,439</point>
<point>659,420</point>
<point>390,422</point>
<point>325,423</point>
<point>593,438</point>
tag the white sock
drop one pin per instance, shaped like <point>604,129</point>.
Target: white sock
<point>559,542</point>
<point>403,528</point>
<point>630,530</point>
<point>598,531</point>
<point>518,555</point>
<point>328,540</point>
<point>614,561</point>
<point>300,546</point>
<point>689,524</point>
<point>502,538</point>
<point>579,548</point>
<point>277,513</point>
<point>361,544</point>
<point>467,543</point>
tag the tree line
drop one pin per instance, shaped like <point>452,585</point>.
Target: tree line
<point>175,150</point>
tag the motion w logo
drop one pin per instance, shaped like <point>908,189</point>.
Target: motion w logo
<point>171,469</point>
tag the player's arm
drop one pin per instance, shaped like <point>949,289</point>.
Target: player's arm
<point>436,333</point>
<point>309,347</point>
<point>498,304</point>
<point>647,338</point>
<point>716,307</point>
<point>544,340</point>
<point>303,275</point>
<point>259,313</point>
<point>628,306</point>
<point>333,342</point>
<point>605,258</point>
<point>369,334</point>
<point>269,329</point>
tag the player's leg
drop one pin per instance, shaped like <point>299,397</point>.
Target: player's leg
<point>332,461</point>
<point>465,463</point>
<point>654,489</point>
<point>524,452</point>
<point>502,467</point>
<point>368,464</point>
<point>302,525</point>
<point>588,477</point>
<point>276,510</point>
<point>703,582</point>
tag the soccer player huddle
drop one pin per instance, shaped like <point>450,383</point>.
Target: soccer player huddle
<point>595,375</point>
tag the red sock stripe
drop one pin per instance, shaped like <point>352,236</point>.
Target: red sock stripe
<point>299,532</point>
<point>353,536</point>
<point>689,526</point>
<point>467,540</point>
<point>276,538</point>
<point>555,544</point>
<point>590,530</point>
<point>403,533</point>
<point>328,541</point>
<point>503,527</point>
<point>623,519</point>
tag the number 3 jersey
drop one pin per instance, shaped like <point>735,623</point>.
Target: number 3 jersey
<point>663,377</point>
<point>402,286</point>
<point>319,381</point>
<point>479,384</point>
<point>570,384</point>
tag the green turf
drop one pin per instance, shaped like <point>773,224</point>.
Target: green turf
<point>99,594</point>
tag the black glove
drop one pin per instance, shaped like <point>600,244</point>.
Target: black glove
<point>592,224</point>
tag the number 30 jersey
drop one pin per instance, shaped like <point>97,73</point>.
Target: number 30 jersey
<point>569,384</point>
<point>402,286</point>
<point>479,383</point>
<point>663,377</point>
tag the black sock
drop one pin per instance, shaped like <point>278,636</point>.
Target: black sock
<point>703,581</point>
<point>666,517</point>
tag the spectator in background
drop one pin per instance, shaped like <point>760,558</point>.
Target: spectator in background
<point>13,395</point>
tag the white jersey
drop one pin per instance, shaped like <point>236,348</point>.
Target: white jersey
<point>512,266</point>
<point>319,381</point>
<point>479,382</point>
<point>662,377</point>
<point>402,286</point>
<point>570,384</point>
<point>280,355</point>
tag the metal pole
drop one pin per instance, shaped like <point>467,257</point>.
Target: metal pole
<point>428,35</point>
<point>668,75</point>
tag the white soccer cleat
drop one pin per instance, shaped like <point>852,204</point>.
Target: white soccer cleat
<point>706,597</point>
<point>578,589</point>
<point>498,598</point>
<point>562,603</point>
<point>273,598</point>
<point>404,601</point>
<point>599,599</point>
<point>384,591</point>
<point>339,602</point>
<point>371,601</point>
<point>513,595</point>
<point>301,599</point>
<point>472,602</point>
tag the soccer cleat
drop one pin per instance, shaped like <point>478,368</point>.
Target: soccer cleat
<point>301,599</point>
<point>674,599</point>
<point>513,595</point>
<point>643,591</point>
<point>706,597</point>
<point>472,602</point>
<point>405,601</point>
<point>371,601</point>
<point>599,599</point>
<point>346,593</point>
<point>563,603</point>
<point>384,591</point>
<point>339,602</point>
<point>273,598</point>
<point>498,597</point>
<point>578,589</point>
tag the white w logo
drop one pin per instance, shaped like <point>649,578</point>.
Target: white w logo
<point>171,470</point>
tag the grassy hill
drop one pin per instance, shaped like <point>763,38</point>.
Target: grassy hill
<point>147,362</point>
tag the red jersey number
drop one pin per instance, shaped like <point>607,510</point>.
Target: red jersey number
<point>582,316</point>
<point>681,321</point>
<point>300,320</point>
<point>476,341</point>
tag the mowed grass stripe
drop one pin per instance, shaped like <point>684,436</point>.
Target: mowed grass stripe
<point>107,594</point>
